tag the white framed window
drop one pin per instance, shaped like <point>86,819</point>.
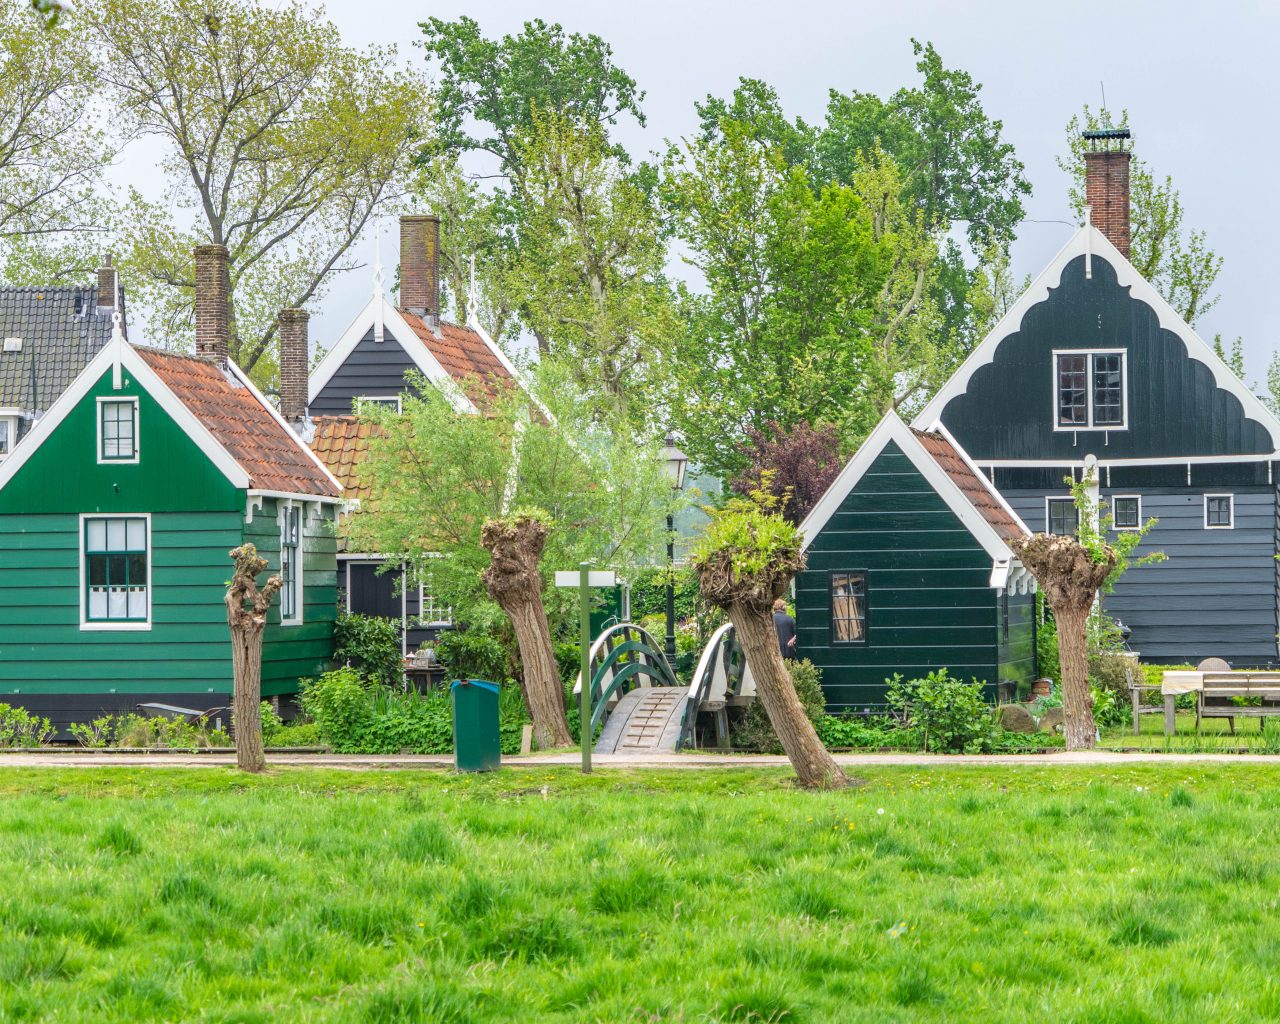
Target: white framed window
<point>1060,517</point>
<point>1219,511</point>
<point>291,556</point>
<point>431,612</point>
<point>1090,389</point>
<point>115,572</point>
<point>117,430</point>
<point>392,402</point>
<point>8,434</point>
<point>1126,511</point>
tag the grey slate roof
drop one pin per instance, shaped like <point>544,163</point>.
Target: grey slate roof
<point>61,329</point>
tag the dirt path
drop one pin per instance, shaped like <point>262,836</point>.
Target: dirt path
<point>105,759</point>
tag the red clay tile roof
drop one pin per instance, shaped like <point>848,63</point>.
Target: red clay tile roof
<point>341,443</point>
<point>275,459</point>
<point>975,490</point>
<point>462,352</point>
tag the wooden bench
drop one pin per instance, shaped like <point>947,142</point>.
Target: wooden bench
<point>1216,697</point>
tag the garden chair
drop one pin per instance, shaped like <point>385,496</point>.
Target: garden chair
<point>1136,692</point>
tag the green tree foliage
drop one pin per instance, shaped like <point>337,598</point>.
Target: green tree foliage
<point>277,141</point>
<point>438,475</point>
<point>497,85</point>
<point>52,146</point>
<point>1175,258</point>
<point>589,264</point>
<point>835,305</point>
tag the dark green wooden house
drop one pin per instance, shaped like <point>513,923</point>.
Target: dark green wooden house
<point>910,571</point>
<point>117,512</point>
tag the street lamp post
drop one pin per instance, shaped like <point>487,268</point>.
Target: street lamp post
<point>675,462</point>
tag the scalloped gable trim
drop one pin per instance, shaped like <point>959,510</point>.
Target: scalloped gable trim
<point>1088,241</point>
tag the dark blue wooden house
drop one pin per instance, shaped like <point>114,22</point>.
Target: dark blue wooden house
<point>1092,361</point>
<point>910,570</point>
<point>382,356</point>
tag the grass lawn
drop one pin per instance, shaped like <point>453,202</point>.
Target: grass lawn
<point>1145,893</point>
<point>1214,735</point>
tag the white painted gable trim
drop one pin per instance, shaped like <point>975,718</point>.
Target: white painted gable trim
<point>1089,241</point>
<point>892,428</point>
<point>379,310</point>
<point>119,352</point>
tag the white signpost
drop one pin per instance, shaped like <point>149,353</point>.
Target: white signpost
<point>584,579</point>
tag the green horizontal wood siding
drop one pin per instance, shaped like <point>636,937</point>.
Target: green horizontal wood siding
<point>187,649</point>
<point>294,652</point>
<point>929,600</point>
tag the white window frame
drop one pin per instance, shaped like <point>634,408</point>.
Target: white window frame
<point>1111,507</point>
<point>100,626</point>
<point>13,417</point>
<point>397,400</point>
<point>299,569</point>
<point>1231,511</point>
<point>425,622</point>
<point>1089,353</point>
<point>137,433</point>
<point>1048,520</point>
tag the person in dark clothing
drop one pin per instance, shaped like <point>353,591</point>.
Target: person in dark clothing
<point>786,627</point>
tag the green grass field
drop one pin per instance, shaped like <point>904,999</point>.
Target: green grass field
<point>1148,893</point>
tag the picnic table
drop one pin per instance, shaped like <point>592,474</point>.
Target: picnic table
<point>1220,685</point>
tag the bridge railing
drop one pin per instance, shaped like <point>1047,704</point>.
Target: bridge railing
<point>721,673</point>
<point>623,658</point>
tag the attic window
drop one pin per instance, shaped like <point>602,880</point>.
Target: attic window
<point>1090,389</point>
<point>13,344</point>
<point>8,434</point>
<point>117,430</point>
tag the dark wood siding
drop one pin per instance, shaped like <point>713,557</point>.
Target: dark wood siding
<point>1174,405</point>
<point>372,369</point>
<point>930,605</point>
<point>1215,596</point>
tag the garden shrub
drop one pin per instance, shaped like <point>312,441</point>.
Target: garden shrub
<point>863,732</point>
<point>353,718</point>
<point>20,728</point>
<point>952,716</point>
<point>1109,671</point>
<point>1110,707</point>
<point>271,723</point>
<point>371,645</point>
<point>472,654</point>
<point>754,731</point>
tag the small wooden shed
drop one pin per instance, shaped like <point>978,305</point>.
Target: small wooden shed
<point>910,571</point>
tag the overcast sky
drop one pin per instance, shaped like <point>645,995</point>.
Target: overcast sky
<point>1197,78</point>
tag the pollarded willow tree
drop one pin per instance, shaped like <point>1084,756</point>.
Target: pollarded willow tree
<point>491,504</point>
<point>277,141</point>
<point>1072,572</point>
<point>247,606</point>
<point>744,562</point>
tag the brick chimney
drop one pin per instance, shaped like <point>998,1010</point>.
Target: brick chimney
<point>107,293</point>
<point>293,365</point>
<point>420,265</point>
<point>1106,183</point>
<point>213,332</point>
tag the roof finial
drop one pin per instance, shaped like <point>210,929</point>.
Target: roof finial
<point>377,258</point>
<point>471,292</point>
<point>117,344</point>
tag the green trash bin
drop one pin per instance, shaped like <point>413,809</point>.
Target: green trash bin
<point>476,744</point>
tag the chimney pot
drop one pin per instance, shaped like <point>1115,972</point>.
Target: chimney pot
<point>420,265</point>
<point>1106,186</point>
<point>213,288</point>
<point>293,365</point>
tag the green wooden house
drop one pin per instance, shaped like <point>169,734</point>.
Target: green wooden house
<point>118,511</point>
<point>910,570</point>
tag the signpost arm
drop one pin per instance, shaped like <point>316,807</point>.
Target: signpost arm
<point>584,704</point>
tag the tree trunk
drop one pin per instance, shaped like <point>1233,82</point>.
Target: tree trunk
<point>247,624</point>
<point>1073,663</point>
<point>814,766</point>
<point>514,582</point>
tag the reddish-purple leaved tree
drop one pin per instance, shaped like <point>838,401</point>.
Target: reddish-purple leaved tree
<point>802,459</point>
